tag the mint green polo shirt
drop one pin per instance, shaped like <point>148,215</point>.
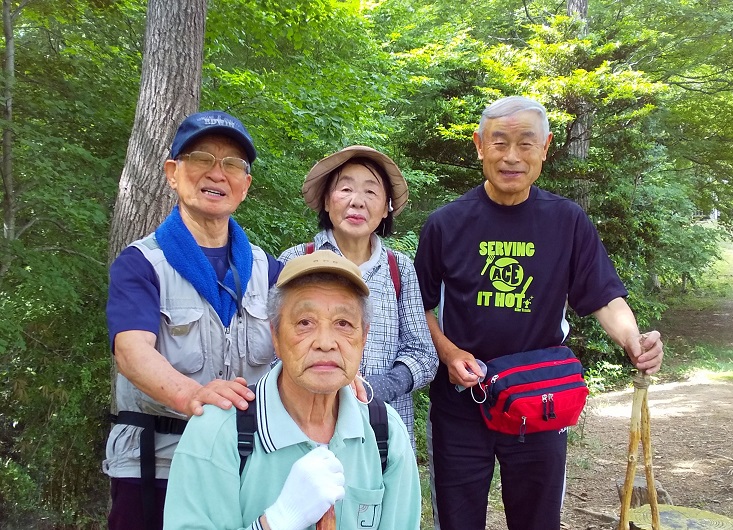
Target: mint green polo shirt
<point>205,490</point>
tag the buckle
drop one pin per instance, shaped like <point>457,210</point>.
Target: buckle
<point>168,425</point>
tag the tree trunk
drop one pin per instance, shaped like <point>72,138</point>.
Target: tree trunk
<point>578,148</point>
<point>170,88</point>
<point>8,203</point>
<point>578,8</point>
<point>580,130</point>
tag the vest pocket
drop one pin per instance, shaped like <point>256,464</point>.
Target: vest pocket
<point>361,508</point>
<point>254,339</point>
<point>180,338</point>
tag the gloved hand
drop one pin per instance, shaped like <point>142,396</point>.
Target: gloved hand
<point>314,484</point>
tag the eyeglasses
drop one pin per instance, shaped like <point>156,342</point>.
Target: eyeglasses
<point>203,161</point>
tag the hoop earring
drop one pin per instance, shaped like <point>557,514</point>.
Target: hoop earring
<point>366,384</point>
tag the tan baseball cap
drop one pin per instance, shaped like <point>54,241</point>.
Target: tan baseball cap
<point>315,181</point>
<point>322,261</point>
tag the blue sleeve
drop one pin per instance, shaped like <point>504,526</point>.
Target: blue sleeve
<point>134,295</point>
<point>274,267</point>
<point>394,383</point>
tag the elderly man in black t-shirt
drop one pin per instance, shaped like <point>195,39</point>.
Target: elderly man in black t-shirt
<point>502,262</point>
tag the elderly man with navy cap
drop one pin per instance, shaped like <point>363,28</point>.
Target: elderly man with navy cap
<point>187,315</point>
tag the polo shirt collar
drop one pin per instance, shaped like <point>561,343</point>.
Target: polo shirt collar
<point>278,430</point>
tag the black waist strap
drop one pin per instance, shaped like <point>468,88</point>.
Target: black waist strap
<point>150,424</point>
<point>160,424</point>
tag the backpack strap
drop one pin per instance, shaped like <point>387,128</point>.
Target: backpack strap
<point>379,423</point>
<point>247,427</point>
<point>394,270</point>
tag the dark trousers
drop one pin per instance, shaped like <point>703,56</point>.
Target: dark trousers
<point>127,504</point>
<point>532,474</point>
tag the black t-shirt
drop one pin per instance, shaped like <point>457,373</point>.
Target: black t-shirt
<point>505,273</point>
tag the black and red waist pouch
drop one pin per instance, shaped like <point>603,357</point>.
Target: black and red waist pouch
<point>533,391</point>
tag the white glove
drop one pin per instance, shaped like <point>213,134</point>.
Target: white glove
<point>315,483</point>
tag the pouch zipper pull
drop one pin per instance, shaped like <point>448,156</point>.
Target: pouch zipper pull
<point>552,406</point>
<point>490,393</point>
<point>522,429</point>
<point>545,408</point>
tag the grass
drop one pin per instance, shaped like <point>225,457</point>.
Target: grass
<point>683,361</point>
<point>426,516</point>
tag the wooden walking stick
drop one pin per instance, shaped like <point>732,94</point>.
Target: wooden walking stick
<point>646,445</point>
<point>640,430</point>
<point>328,521</point>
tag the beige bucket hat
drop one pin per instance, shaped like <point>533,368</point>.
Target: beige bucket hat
<point>315,182</point>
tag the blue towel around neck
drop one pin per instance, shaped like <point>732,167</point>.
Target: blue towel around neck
<point>186,257</point>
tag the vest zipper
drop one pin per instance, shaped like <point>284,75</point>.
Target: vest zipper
<point>227,353</point>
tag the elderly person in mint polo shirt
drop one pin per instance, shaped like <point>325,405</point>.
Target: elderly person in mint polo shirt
<point>314,445</point>
<point>186,314</point>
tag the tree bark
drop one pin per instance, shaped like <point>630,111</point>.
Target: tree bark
<point>578,8</point>
<point>170,88</point>
<point>580,130</point>
<point>7,142</point>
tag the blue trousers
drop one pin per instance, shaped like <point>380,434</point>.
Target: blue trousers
<point>462,467</point>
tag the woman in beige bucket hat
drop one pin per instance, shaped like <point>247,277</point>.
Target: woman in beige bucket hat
<point>357,192</point>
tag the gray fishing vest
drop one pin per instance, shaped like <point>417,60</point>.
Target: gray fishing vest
<point>192,338</point>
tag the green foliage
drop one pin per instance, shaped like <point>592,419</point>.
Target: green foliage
<point>72,59</point>
<point>421,400</point>
<point>604,376</point>
<point>406,243</point>
<point>18,492</point>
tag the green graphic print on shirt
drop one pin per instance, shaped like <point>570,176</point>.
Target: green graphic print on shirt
<point>506,275</point>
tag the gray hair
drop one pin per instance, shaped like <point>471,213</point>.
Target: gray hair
<point>509,106</point>
<point>276,297</point>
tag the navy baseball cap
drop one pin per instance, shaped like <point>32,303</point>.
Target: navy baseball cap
<point>212,122</point>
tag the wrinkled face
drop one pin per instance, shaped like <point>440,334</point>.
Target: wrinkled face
<point>208,193</point>
<point>356,202</point>
<point>320,337</point>
<point>512,150</point>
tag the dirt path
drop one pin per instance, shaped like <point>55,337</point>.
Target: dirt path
<point>709,326</point>
<point>691,441</point>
